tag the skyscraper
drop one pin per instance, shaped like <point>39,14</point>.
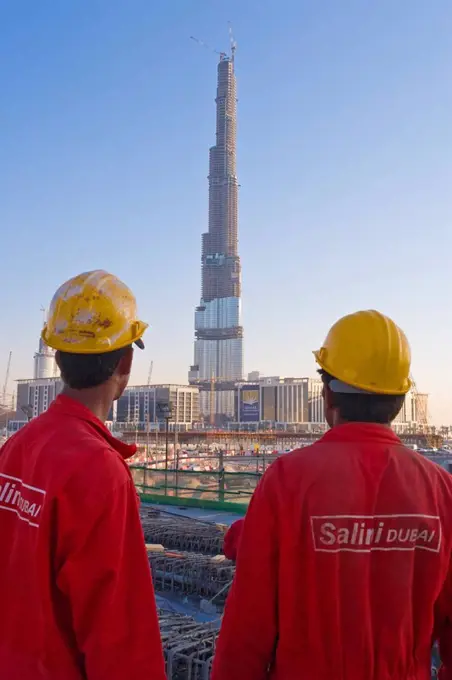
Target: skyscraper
<point>44,362</point>
<point>218,330</point>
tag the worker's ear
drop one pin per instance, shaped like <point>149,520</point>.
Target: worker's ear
<point>125,363</point>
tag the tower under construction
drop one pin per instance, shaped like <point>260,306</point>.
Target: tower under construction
<point>218,353</point>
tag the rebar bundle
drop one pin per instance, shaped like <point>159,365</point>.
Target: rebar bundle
<point>191,574</point>
<point>181,533</point>
<point>189,646</point>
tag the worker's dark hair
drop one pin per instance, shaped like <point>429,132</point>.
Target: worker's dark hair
<point>82,371</point>
<point>364,408</point>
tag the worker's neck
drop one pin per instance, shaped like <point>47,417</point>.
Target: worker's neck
<point>96,399</point>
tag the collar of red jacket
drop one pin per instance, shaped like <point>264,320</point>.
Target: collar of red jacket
<point>353,432</point>
<point>69,407</point>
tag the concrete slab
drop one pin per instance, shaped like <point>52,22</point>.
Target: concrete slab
<point>184,605</point>
<point>198,514</point>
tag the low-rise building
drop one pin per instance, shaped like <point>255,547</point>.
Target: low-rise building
<point>413,416</point>
<point>274,401</point>
<point>34,396</point>
<point>131,410</point>
<point>142,407</point>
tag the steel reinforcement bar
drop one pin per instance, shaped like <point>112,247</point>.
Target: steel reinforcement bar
<point>191,574</point>
<point>188,645</point>
<point>181,533</point>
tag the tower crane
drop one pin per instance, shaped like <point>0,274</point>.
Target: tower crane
<point>148,415</point>
<point>5,384</point>
<point>209,386</point>
<point>213,381</point>
<point>223,55</point>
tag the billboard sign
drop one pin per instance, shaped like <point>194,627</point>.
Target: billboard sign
<point>249,404</point>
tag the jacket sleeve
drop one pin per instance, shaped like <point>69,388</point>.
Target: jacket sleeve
<point>232,540</point>
<point>248,634</point>
<point>106,581</point>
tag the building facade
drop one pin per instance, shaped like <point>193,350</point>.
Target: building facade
<point>141,406</point>
<point>44,362</point>
<point>34,396</point>
<point>275,401</point>
<point>129,411</point>
<point>420,409</point>
<point>413,414</point>
<point>218,349</point>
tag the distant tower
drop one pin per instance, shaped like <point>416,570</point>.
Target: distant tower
<point>218,326</point>
<point>45,364</point>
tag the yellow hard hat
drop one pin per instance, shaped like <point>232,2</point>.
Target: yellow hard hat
<point>93,313</point>
<point>369,352</point>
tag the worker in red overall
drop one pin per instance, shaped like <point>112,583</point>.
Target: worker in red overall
<point>344,569</point>
<point>232,540</point>
<point>76,595</point>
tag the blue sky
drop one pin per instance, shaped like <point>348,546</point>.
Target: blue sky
<point>344,160</point>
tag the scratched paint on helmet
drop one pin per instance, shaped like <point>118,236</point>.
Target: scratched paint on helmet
<point>93,312</point>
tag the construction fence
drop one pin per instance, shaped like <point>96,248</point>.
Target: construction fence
<point>224,483</point>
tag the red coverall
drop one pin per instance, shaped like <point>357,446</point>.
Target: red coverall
<point>344,568</point>
<point>76,594</point>
<point>232,539</point>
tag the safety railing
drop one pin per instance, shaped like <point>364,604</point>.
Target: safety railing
<point>215,486</point>
<point>229,482</point>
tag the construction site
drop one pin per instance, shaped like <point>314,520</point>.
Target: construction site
<point>203,447</point>
<point>191,579</point>
<point>242,440</point>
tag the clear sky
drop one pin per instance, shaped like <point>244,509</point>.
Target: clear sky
<point>344,160</point>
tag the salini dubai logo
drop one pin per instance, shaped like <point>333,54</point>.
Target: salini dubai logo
<point>366,533</point>
<point>24,500</point>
